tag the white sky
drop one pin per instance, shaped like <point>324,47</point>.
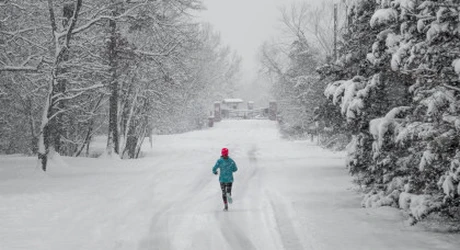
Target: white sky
<point>245,24</point>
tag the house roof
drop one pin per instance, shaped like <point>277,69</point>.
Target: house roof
<point>232,100</point>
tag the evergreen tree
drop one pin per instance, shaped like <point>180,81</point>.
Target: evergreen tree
<point>402,103</point>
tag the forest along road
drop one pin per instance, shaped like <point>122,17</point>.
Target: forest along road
<point>287,195</point>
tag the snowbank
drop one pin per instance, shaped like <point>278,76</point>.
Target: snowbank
<point>418,206</point>
<point>373,200</point>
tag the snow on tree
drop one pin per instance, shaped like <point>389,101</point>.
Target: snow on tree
<point>350,94</point>
<point>292,66</point>
<point>404,6</point>
<point>383,16</point>
<point>456,65</point>
<point>413,140</point>
<point>435,29</point>
<point>148,64</point>
<point>401,52</point>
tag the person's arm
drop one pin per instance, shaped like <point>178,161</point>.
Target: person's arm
<point>234,167</point>
<point>214,169</point>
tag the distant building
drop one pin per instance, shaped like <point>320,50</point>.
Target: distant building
<point>231,103</point>
<point>250,105</point>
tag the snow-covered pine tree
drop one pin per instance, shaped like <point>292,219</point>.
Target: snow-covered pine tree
<point>427,51</point>
<point>412,162</point>
<point>370,93</point>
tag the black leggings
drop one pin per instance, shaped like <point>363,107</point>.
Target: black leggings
<point>226,188</point>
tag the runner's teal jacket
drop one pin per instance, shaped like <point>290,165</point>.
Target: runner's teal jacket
<point>227,167</point>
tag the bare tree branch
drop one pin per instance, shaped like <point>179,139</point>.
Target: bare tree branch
<point>73,21</point>
<point>2,5</point>
<point>101,18</point>
<point>96,86</point>
<point>451,87</point>
<point>22,67</point>
<point>17,32</point>
<point>163,54</point>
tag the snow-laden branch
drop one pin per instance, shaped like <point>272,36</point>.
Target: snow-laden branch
<point>17,32</point>
<point>2,5</point>
<point>52,17</point>
<point>451,87</point>
<point>97,86</point>
<point>96,20</point>
<point>18,69</point>
<point>158,93</point>
<point>28,60</point>
<point>66,98</point>
<point>62,96</point>
<point>163,54</point>
<point>23,67</point>
<point>5,19</point>
<point>31,42</point>
<point>53,116</point>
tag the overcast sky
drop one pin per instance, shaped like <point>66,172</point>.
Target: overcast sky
<point>245,24</point>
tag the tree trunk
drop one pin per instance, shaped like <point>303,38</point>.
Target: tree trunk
<point>128,128</point>
<point>140,142</point>
<point>44,135</point>
<point>89,134</point>
<point>34,144</point>
<point>113,136</point>
<point>87,139</point>
<point>50,125</point>
<point>58,129</point>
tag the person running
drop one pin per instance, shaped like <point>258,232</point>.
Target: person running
<point>227,166</point>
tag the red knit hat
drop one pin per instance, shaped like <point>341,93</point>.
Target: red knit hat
<point>225,152</point>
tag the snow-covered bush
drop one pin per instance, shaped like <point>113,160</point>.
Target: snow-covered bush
<point>379,199</point>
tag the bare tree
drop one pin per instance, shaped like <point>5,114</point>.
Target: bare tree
<point>126,67</point>
<point>314,24</point>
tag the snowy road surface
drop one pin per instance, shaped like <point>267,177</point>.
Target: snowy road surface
<point>287,195</point>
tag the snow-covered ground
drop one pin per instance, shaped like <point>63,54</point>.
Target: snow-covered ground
<point>287,195</point>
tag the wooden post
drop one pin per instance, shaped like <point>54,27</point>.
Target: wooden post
<point>250,105</point>
<point>217,112</point>
<point>272,110</point>
<point>210,121</point>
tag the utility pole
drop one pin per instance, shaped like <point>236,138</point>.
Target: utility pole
<point>335,32</point>
<point>346,13</point>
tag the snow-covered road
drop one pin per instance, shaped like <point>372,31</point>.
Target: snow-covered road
<point>287,195</point>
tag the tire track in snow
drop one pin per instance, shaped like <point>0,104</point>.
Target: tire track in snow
<point>252,155</point>
<point>285,226</point>
<point>249,172</point>
<point>158,237</point>
<point>234,235</point>
<point>159,233</point>
<point>170,219</point>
